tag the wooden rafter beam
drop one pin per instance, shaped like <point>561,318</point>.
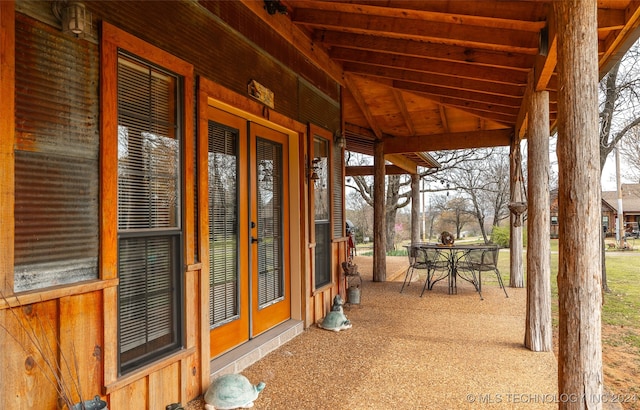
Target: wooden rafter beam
<point>397,95</point>
<point>423,49</point>
<point>490,38</point>
<point>427,65</point>
<point>362,104</point>
<point>410,11</point>
<point>407,79</point>
<point>619,45</point>
<point>459,140</point>
<point>296,37</point>
<point>504,101</point>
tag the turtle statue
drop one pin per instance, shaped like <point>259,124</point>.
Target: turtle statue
<point>335,319</point>
<point>231,391</point>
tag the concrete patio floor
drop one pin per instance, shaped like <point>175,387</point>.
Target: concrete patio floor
<point>440,351</point>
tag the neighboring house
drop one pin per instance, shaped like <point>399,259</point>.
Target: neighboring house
<point>172,172</point>
<point>608,215</point>
<point>630,194</point>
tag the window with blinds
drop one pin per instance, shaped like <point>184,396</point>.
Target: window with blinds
<point>56,160</point>
<point>149,225</point>
<point>270,227</point>
<point>337,187</point>
<point>223,224</point>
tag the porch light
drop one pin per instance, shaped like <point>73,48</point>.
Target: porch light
<point>340,140</point>
<point>74,17</point>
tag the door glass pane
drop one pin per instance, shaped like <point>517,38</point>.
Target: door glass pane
<point>223,225</point>
<point>269,168</point>
<point>321,207</point>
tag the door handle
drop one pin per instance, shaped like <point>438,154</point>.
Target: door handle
<point>254,240</point>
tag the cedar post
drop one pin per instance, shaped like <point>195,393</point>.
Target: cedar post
<point>516,277</point>
<point>579,269</point>
<point>538,328</point>
<point>379,225</point>
<point>415,208</point>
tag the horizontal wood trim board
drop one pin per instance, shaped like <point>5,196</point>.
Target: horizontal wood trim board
<point>56,292</point>
<point>148,370</point>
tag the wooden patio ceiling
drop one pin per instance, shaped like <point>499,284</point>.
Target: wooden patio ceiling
<point>435,75</point>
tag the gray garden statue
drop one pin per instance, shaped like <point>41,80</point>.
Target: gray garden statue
<point>231,391</point>
<point>335,319</point>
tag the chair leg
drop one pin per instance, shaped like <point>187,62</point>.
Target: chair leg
<point>409,276</point>
<point>477,282</point>
<point>427,282</point>
<point>501,283</point>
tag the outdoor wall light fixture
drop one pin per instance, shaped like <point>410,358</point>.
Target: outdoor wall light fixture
<point>313,175</point>
<point>340,140</point>
<point>74,17</point>
<point>274,6</point>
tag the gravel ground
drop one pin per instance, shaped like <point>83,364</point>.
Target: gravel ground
<point>440,351</point>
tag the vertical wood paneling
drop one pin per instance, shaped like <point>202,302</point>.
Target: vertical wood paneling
<point>164,387</point>
<point>7,124</point>
<point>132,396</point>
<point>81,342</point>
<point>26,379</point>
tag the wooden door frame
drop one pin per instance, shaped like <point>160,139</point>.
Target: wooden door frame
<point>214,95</point>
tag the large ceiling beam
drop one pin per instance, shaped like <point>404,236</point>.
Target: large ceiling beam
<point>296,37</point>
<point>364,170</point>
<point>460,140</point>
<point>402,162</point>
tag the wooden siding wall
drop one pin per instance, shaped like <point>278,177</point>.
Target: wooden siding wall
<point>73,316</point>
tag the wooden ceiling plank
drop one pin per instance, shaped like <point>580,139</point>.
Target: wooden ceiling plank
<point>424,49</point>
<point>459,140</point>
<point>426,65</point>
<point>299,39</point>
<point>482,37</point>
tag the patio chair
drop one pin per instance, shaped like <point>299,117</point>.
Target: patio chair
<point>482,259</point>
<point>437,261</point>
<point>417,260</point>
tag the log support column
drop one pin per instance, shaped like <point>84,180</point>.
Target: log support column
<point>579,268</point>
<point>538,329</point>
<point>516,278</point>
<point>379,225</point>
<point>415,208</point>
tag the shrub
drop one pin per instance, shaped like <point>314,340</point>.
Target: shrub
<point>500,236</point>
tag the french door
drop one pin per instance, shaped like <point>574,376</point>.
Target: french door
<point>249,282</point>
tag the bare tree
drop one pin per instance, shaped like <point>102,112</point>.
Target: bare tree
<point>630,153</point>
<point>398,194</point>
<point>485,182</point>
<point>619,112</point>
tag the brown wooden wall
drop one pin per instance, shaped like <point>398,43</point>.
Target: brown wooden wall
<point>74,320</point>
